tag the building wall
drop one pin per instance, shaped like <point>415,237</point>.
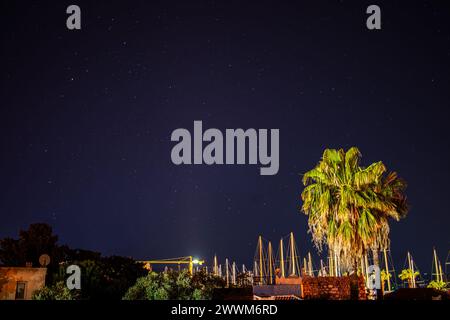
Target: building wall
<point>277,290</point>
<point>329,288</point>
<point>333,288</point>
<point>289,280</point>
<point>34,279</point>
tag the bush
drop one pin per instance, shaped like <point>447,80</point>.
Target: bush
<point>59,291</point>
<point>438,285</point>
<point>174,285</point>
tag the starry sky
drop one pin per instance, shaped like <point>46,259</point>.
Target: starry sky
<point>86,118</point>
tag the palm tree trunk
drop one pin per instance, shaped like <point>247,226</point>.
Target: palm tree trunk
<point>376,261</point>
<point>355,267</point>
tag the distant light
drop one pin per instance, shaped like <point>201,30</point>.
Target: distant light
<point>195,261</point>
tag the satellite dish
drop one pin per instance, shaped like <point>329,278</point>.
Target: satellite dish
<point>44,260</point>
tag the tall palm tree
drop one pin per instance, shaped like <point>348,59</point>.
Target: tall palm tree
<point>349,206</point>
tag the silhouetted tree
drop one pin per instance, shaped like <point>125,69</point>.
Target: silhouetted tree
<point>32,243</point>
<point>102,277</point>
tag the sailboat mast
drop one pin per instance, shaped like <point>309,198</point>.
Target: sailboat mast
<point>270,262</point>
<point>337,265</point>
<point>292,254</point>
<point>387,269</point>
<point>215,269</point>
<point>330,263</point>
<point>226,272</point>
<point>282,258</point>
<point>436,265</point>
<point>305,268</point>
<point>322,269</point>
<point>310,265</point>
<point>413,278</point>
<point>409,260</point>
<point>440,271</point>
<point>366,264</point>
<point>260,260</point>
<point>409,267</point>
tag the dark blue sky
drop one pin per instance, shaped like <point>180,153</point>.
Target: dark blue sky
<point>86,118</point>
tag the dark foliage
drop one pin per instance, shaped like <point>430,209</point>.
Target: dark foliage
<point>101,277</point>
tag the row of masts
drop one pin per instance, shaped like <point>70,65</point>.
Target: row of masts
<point>285,263</point>
<point>266,267</point>
<point>230,272</point>
<point>288,263</point>
<point>437,274</point>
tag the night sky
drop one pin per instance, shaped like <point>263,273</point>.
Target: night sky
<point>86,118</point>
